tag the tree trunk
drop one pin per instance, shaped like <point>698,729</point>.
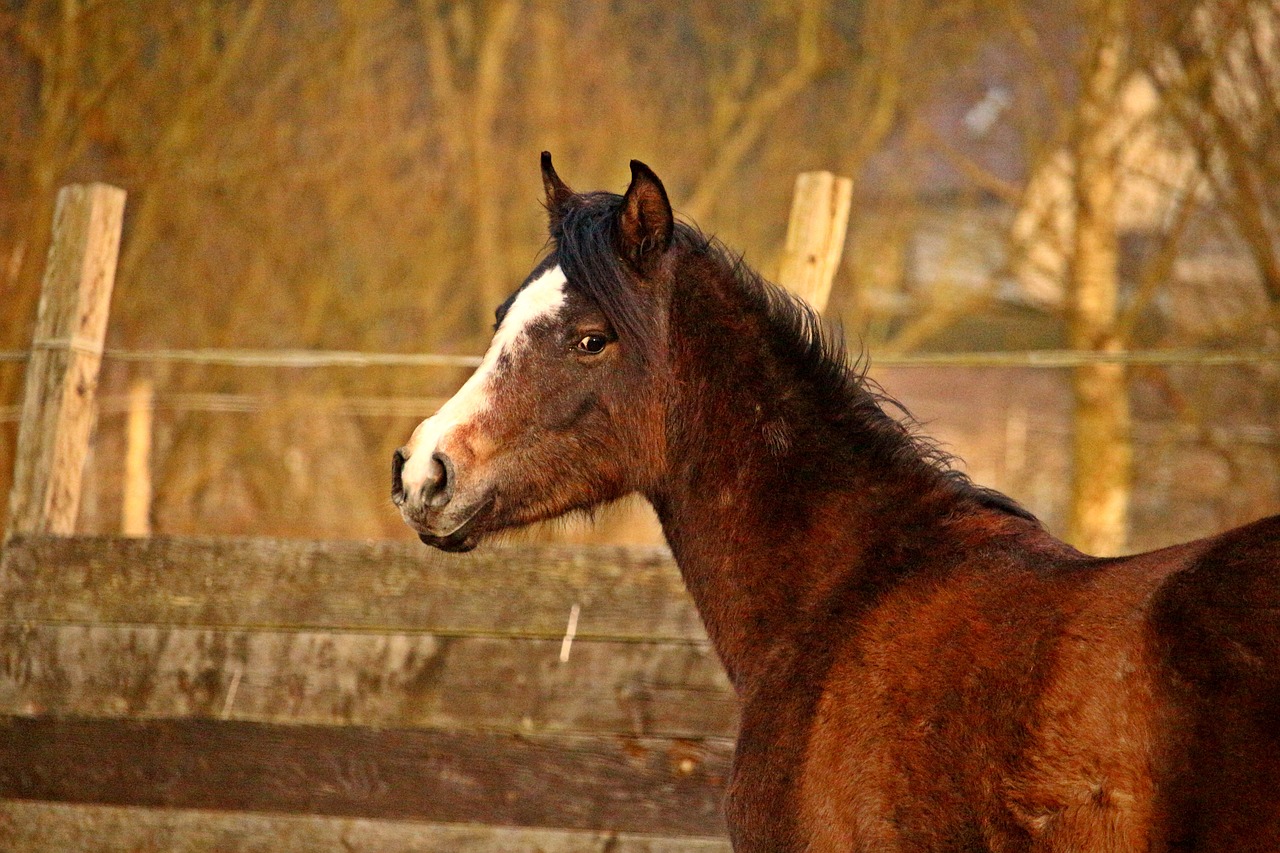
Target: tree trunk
<point>1102,451</point>
<point>486,187</point>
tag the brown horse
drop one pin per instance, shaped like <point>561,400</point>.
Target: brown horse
<point>921,666</point>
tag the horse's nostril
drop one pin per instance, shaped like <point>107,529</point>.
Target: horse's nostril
<point>440,490</point>
<point>397,484</point>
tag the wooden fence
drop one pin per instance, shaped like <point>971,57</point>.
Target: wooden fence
<point>187,694</point>
<point>356,680</point>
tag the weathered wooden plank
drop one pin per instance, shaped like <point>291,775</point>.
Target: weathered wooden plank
<point>623,593</point>
<point>623,784</point>
<point>66,352</point>
<point>395,680</point>
<point>35,827</point>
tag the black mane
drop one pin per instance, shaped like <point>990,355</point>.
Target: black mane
<point>586,241</point>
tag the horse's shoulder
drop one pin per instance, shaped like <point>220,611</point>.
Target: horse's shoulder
<point>939,684</point>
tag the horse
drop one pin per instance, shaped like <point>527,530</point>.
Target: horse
<point>920,665</point>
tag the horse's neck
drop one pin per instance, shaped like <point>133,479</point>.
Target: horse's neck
<point>769,510</point>
<point>762,555</point>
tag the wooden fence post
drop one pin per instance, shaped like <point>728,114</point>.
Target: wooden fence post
<point>815,236</point>
<point>66,351</point>
<point>135,516</point>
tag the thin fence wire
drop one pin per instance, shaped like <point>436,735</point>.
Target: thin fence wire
<point>420,407</point>
<point>1078,358</point>
<point>277,358</point>
<point>351,358</point>
<point>405,407</point>
<point>217,403</point>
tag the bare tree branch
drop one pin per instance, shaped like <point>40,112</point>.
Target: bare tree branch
<point>759,110</point>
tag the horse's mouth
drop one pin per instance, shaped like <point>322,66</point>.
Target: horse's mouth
<point>465,536</point>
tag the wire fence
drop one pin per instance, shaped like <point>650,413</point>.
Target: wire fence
<point>276,358</point>
<point>1055,358</point>
<point>398,407</point>
<point>221,403</point>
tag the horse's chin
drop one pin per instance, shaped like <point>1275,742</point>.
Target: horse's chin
<point>462,538</point>
<point>450,544</point>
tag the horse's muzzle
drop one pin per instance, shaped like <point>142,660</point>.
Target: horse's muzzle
<point>430,509</point>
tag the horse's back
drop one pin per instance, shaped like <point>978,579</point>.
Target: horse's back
<point>1218,624</point>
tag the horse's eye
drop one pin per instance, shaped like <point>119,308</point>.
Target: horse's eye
<point>593,344</point>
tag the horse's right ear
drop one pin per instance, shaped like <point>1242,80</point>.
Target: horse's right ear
<point>559,196</point>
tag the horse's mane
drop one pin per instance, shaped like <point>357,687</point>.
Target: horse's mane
<point>586,243</point>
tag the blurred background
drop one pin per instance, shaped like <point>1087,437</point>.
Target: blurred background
<point>1097,175</point>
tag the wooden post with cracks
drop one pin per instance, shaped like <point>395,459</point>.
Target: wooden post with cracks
<point>58,407</point>
<point>815,236</point>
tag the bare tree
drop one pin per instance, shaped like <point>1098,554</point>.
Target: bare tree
<point>354,178</point>
<point>468,46</point>
<point>1217,66</point>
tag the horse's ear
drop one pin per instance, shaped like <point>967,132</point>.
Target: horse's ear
<point>559,196</point>
<point>646,223</point>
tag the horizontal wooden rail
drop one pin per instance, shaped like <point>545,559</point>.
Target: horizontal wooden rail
<point>35,827</point>
<point>390,680</point>
<point>647,785</point>
<point>624,594</point>
<point>366,633</point>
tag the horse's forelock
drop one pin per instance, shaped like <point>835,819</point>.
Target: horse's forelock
<point>586,240</point>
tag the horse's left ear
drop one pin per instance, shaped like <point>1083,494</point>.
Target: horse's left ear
<point>559,196</point>
<point>646,223</point>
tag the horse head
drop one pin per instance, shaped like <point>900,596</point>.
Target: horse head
<point>565,410</point>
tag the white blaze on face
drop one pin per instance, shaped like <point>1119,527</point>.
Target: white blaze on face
<point>540,298</point>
